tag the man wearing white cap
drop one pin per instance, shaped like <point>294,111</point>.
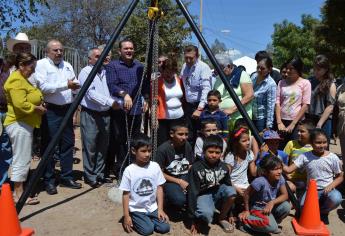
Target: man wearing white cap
<point>20,43</point>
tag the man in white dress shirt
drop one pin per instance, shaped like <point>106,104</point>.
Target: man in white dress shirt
<point>56,79</point>
<point>95,122</point>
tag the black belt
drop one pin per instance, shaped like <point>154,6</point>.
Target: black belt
<point>3,107</point>
<point>102,113</point>
<point>59,107</point>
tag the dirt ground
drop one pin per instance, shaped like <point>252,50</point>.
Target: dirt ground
<point>90,212</point>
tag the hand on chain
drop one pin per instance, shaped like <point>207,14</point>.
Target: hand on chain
<point>127,102</point>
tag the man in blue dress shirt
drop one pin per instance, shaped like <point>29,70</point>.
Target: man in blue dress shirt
<point>196,76</point>
<point>124,77</point>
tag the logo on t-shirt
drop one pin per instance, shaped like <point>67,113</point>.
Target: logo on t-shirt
<point>209,178</point>
<point>143,187</point>
<point>179,166</point>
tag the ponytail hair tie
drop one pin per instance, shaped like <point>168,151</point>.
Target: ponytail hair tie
<point>239,132</point>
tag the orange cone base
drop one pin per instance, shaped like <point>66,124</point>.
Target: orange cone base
<point>27,232</point>
<point>321,230</point>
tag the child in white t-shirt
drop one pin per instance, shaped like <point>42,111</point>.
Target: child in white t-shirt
<point>325,168</point>
<point>208,127</point>
<point>239,158</point>
<point>142,197</point>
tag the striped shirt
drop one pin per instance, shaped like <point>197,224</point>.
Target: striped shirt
<point>294,149</point>
<point>264,99</point>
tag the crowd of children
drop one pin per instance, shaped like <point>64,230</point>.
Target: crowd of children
<point>244,184</point>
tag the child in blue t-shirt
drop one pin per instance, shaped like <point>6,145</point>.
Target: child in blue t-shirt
<point>272,141</point>
<point>265,200</point>
<point>212,111</point>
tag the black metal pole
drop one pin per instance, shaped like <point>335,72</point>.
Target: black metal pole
<point>220,71</point>
<point>50,149</point>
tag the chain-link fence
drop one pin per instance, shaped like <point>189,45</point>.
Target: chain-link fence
<point>77,58</point>
<point>74,56</point>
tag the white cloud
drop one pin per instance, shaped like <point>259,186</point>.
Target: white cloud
<point>233,53</point>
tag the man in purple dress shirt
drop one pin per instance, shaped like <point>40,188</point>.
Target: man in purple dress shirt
<point>124,77</point>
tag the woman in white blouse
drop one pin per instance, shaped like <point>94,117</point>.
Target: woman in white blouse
<point>170,98</point>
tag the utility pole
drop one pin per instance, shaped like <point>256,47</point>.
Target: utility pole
<point>200,28</point>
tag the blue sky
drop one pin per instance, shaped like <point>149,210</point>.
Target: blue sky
<point>250,22</point>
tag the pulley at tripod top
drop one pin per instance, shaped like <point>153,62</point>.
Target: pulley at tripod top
<point>154,13</point>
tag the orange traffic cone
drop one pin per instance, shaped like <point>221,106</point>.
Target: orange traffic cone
<point>309,222</point>
<point>9,223</point>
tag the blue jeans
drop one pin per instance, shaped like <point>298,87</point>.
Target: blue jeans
<point>147,223</point>
<point>207,203</point>
<point>174,194</point>
<point>51,122</point>
<point>327,127</point>
<point>5,152</point>
<point>260,124</point>
<point>327,202</point>
<point>259,222</point>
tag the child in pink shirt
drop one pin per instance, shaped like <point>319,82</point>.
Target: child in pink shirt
<point>293,99</point>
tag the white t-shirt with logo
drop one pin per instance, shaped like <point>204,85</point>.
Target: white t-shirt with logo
<point>142,184</point>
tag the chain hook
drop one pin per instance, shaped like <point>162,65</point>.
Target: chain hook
<point>154,12</point>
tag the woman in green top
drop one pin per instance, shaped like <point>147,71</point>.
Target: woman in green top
<point>242,85</point>
<point>24,105</point>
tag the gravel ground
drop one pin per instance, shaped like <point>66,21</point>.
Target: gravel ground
<point>90,212</point>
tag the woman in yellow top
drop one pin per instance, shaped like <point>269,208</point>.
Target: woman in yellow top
<point>24,105</point>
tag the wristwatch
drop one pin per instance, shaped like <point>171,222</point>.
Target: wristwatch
<point>122,93</point>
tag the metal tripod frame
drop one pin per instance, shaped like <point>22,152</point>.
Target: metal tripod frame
<point>50,149</point>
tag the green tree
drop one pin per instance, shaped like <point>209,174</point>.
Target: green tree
<point>218,47</point>
<point>290,40</point>
<point>18,10</point>
<point>81,24</point>
<point>87,23</point>
<point>172,28</point>
<point>331,34</point>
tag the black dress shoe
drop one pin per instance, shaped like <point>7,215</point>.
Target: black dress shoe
<point>51,189</point>
<point>92,184</point>
<point>104,180</point>
<point>70,184</point>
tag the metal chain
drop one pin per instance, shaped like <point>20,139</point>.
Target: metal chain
<point>154,92</point>
<point>129,132</point>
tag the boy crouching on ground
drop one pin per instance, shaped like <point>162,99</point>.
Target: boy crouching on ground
<point>142,197</point>
<point>210,187</point>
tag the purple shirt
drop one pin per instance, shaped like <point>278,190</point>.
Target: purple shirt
<point>123,77</point>
<point>3,78</point>
<point>265,192</point>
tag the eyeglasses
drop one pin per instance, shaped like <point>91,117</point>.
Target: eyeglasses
<point>58,49</point>
<point>226,66</point>
<point>260,68</point>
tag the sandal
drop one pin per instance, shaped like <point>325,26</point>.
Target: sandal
<point>226,226</point>
<point>36,158</point>
<point>32,201</point>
